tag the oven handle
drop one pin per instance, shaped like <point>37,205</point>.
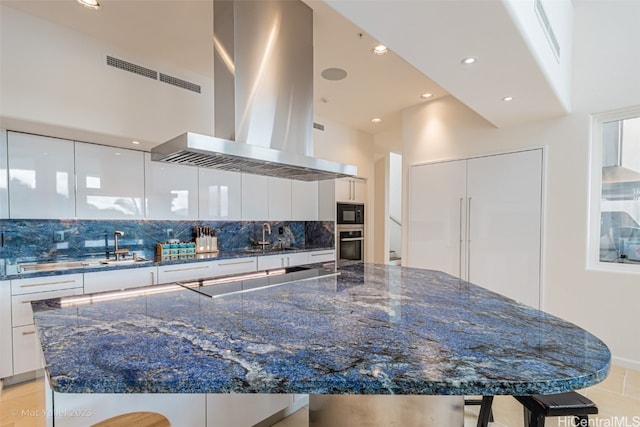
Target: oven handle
<point>352,239</point>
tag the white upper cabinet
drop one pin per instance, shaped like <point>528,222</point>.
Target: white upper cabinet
<point>220,194</point>
<point>4,176</point>
<point>171,191</point>
<point>41,177</point>
<point>255,197</point>
<point>279,199</point>
<point>304,201</point>
<point>327,200</point>
<point>352,190</point>
<point>110,182</point>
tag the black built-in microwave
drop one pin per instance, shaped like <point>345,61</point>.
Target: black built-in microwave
<point>350,213</point>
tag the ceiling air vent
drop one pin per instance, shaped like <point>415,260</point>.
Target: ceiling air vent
<point>132,68</point>
<point>546,27</point>
<point>179,83</point>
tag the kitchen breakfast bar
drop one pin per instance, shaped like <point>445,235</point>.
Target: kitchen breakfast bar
<point>345,340</point>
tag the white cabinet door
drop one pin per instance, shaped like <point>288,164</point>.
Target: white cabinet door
<point>437,197</point>
<point>110,182</point>
<point>227,267</point>
<point>102,281</point>
<point>41,177</point>
<point>304,201</point>
<point>4,176</point>
<point>183,272</point>
<point>504,197</point>
<point>171,191</point>
<point>6,344</point>
<point>480,220</point>
<point>279,199</point>
<point>244,410</point>
<point>351,190</point>
<point>255,197</point>
<point>327,200</point>
<point>220,194</point>
<point>27,352</point>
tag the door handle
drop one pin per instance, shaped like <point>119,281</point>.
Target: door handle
<point>469,240</point>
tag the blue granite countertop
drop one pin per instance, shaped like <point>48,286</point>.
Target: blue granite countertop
<point>371,330</point>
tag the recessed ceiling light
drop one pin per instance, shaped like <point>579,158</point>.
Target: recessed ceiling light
<point>380,50</point>
<point>376,120</point>
<point>91,4</point>
<point>426,95</point>
<point>135,142</point>
<point>508,98</point>
<point>469,60</point>
<point>334,74</point>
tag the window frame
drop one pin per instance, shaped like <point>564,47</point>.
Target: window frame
<point>595,193</point>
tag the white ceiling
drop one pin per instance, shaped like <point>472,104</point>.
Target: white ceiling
<point>180,32</point>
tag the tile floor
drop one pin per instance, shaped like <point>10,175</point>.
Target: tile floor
<point>618,399</point>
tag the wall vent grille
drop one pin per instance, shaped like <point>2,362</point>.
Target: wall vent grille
<point>546,27</point>
<point>152,74</point>
<point>132,68</point>
<point>318,126</point>
<point>179,83</point>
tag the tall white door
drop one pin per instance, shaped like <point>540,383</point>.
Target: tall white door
<point>437,194</point>
<point>504,225</point>
<point>480,220</point>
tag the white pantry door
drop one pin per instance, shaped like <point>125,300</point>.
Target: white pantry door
<point>504,226</point>
<point>437,197</point>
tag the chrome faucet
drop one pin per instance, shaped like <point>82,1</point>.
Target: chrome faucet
<point>265,228</point>
<point>116,247</point>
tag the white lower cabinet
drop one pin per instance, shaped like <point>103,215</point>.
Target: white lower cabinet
<point>227,267</point>
<point>269,262</point>
<point>322,256</point>
<point>6,345</point>
<point>26,350</point>
<point>102,281</point>
<point>244,410</point>
<point>188,271</point>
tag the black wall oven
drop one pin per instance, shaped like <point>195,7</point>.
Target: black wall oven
<point>351,242</point>
<point>350,213</point>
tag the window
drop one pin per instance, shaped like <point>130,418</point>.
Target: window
<point>615,223</point>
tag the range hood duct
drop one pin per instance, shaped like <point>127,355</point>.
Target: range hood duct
<point>263,96</point>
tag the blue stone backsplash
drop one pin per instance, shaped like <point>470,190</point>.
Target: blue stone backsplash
<point>58,240</point>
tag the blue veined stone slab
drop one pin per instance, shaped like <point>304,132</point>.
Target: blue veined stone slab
<point>372,330</point>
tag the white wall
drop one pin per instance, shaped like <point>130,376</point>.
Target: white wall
<point>605,77</point>
<point>55,82</point>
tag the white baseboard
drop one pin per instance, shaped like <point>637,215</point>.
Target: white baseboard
<point>625,363</point>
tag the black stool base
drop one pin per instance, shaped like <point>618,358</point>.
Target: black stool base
<point>538,406</point>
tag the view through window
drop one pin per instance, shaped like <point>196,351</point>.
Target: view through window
<point>620,192</point>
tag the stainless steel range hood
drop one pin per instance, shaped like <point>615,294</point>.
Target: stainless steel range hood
<point>263,90</point>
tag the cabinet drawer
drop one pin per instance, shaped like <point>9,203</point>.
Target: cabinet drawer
<point>21,313</point>
<point>322,256</point>
<point>102,281</point>
<point>182,272</point>
<point>269,262</point>
<point>45,284</point>
<point>27,353</point>
<point>235,266</point>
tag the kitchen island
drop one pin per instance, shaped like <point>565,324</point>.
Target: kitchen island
<point>372,330</point>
